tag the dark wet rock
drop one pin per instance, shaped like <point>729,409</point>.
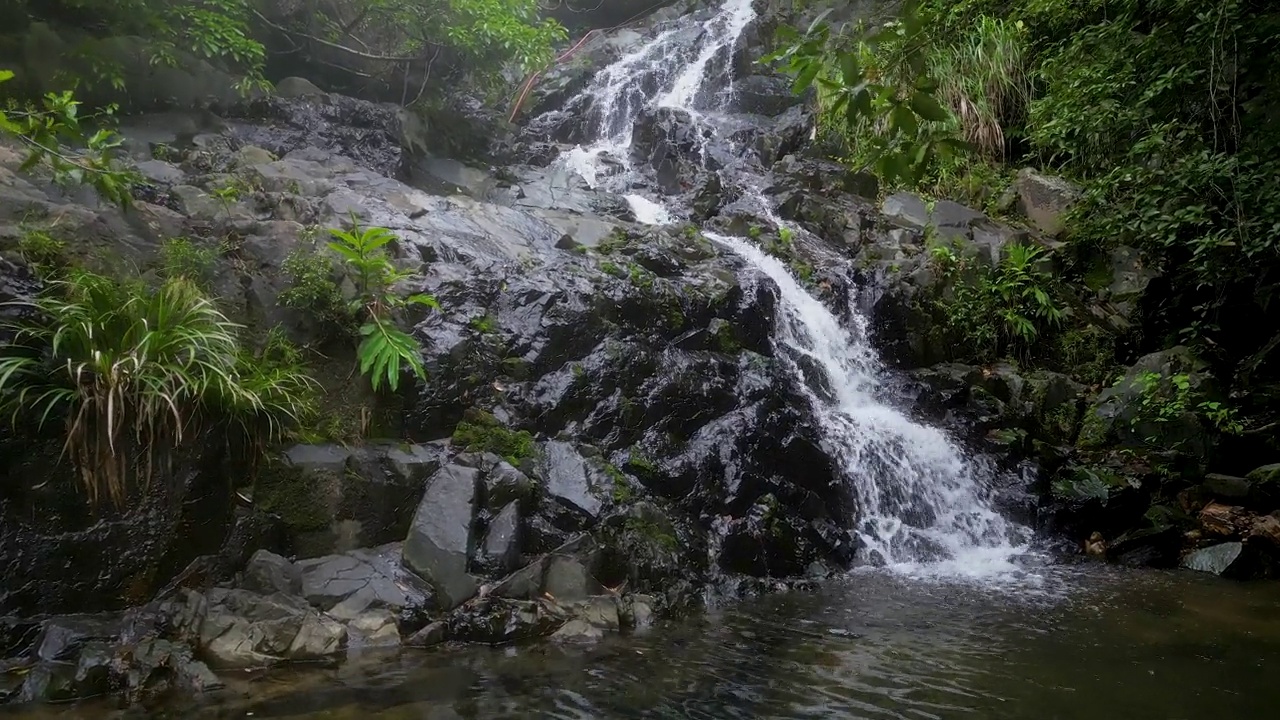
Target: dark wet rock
<point>1153,546</point>
<point>768,95</point>
<point>590,620</point>
<point>457,125</point>
<point>348,585</point>
<point>333,498</point>
<point>269,573</point>
<point>947,219</point>
<point>433,634</point>
<point>1120,415</point>
<point>824,176</point>
<point>440,540</point>
<point>57,555</point>
<point>498,621</point>
<point>567,579</point>
<point>373,628</point>
<point>1226,487</point>
<point>296,87</point>
<point>1264,486</point>
<point>1221,559</point>
<point>1120,278</point>
<point>504,486</point>
<point>500,550</point>
<point>669,141</point>
<point>568,480</point>
<point>366,132</point>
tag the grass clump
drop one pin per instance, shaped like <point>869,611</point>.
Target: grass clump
<point>134,371</point>
<point>183,258</point>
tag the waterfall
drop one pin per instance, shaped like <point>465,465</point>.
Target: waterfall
<point>923,507</point>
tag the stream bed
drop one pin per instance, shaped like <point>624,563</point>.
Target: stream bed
<point>1078,642</point>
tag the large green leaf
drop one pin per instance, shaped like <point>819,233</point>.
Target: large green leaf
<point>928,107</point>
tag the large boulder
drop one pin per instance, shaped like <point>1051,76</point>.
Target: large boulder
<point>440,541</point>
<point>1045,200</point>
<point>335,499</point>
<point>242,629</point>
<point>1155,404</point>
<point>59,555</point>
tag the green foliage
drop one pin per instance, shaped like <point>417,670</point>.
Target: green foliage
<point>875,85</point>
<point>1005,309</point>
<point>477,37</point>
<point>46,254</point>
<point>384,348</point>
<point>182,258</point>
<point>132,371</point>
<point>216,30</point>
<point>484,324</point>
<point>53,133</point>
<point>480,431</point>
<point>1167,399</point>
<point>622,492</point>
<point>311,287</point>
<point>1162,109</point>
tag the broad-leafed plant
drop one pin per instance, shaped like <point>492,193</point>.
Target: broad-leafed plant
<point>384,349</point>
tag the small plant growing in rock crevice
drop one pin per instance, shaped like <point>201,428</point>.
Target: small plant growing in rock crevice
<point>384,348</point>
<point>45,254</point>
<point>181,257</point>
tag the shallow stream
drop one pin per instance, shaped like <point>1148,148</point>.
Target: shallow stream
<point>1077,643</point>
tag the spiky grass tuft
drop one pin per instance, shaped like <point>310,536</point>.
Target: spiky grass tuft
<point>983,79</point>
<point>133,371</point>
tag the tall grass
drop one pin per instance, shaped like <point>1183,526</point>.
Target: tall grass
<point>132,371</point>
<point>983,78</point>
<point>980,74</point>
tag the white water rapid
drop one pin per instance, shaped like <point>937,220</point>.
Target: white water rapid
<point>924,508</point>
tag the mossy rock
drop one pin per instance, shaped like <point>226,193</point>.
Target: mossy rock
<point>480,431</point>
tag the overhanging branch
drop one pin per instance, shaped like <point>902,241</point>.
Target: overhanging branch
<point>339,47</point>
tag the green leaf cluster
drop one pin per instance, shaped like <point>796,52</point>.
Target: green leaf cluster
<point>132,371</point>
<point>875,83</point>
<point>55,137</point>
<point>384,349</point>
<point>1001,310</point>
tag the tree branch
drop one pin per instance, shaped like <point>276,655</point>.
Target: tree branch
<point>336,46</point>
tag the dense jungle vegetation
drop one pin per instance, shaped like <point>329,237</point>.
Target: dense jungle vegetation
<point>1163,111</point>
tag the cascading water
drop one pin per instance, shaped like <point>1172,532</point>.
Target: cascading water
<point>676,65</point>
<point>923,506</point>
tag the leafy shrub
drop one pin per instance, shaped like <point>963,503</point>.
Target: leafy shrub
<point>1005,309</point>
<point>874,87</point>
<point>384,348</point>
<point>133,371</point>
<point>183,258</point>
<point>311,287</point>
<point>51,132</point>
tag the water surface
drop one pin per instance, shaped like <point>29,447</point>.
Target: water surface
<point>1086,643</point>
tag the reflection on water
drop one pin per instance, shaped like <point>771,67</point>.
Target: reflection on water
<point>1106,644</point>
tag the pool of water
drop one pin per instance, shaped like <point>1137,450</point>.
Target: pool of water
<point>1084,642</point>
